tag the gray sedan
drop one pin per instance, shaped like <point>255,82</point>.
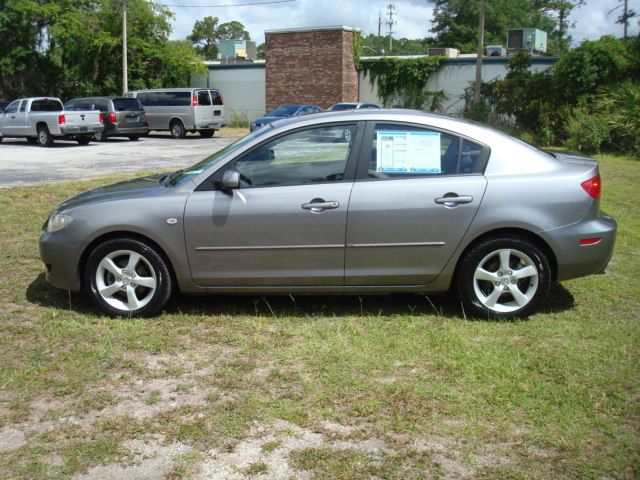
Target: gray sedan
<point>411,202</point>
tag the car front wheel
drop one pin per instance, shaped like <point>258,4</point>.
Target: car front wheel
<point>126,277</point>
<point>507,277</point>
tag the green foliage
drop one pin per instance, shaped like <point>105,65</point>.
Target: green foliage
<point>71,48</point>
<point>207,34</point>
<point>587,132</point>
<point>404,80</point>
<point>356,45</point>
<point>260,51</point>
<point>455,22</point>
<point>621,105</point>
<point>374,45</point>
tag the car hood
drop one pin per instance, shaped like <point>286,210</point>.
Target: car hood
<point>269,119</point>
<point>136,188</point>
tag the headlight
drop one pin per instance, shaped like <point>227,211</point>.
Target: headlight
<point>57,221</point>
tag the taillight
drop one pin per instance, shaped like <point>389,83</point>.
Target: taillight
<point>61,119</point>
<point>112,117</point>
<point>195,100</point>
<point>101,117</point>
<point>592,186</point>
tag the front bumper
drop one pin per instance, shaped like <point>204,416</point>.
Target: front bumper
<point>575,260</point>
<point>61,258</point>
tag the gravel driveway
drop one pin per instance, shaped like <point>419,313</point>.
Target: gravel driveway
<point>25,164</point>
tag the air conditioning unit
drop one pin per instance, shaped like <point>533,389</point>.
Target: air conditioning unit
<point>496,51</point>
<point>443,52</point>
<point>531,39</point>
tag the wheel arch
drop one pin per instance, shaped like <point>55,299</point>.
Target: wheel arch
<point>42,124</point>
<point>123,234</point>
<point>175,119</point>
<point>513,231</point>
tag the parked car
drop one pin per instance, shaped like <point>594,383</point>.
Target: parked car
<point>3,104</point>
<point>285,111</point>
<point>182,110</point>
<point>123,117</point>
<point>337,107</point>
<point>43,119</point>
<point>416,202</point>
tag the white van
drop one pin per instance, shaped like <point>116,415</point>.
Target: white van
<point>182,110</point>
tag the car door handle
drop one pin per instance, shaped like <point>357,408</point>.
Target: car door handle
<point>319,206</point>
<point>454,200</point>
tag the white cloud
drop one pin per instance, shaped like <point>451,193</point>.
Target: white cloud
<point>413,16</point>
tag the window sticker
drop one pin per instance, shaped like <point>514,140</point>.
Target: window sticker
<point>408,152</point>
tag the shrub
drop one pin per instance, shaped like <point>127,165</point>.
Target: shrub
<point>587,132</point>
<point>621,105</point>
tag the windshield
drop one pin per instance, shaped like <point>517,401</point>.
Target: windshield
<point>284,111</point>
<point>342,106</point>
<point>203,165</point>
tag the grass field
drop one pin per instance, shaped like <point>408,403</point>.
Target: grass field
<point>323,387</point>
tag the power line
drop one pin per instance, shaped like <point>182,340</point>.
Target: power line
<point>225,4</point>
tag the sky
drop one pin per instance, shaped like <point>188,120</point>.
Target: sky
<point>413,16</point>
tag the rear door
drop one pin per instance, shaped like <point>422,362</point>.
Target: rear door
<point>129,112</point>
<point>417,191</point>
<point>203,109</point>
<point>218,106</point>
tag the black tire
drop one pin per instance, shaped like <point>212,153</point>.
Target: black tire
<point>206,133</point>
<point>151,263</point>
<point>177,129</point>
<point>83,140</point>
<point>32,140</point>
<point>134,138</point>
<point>100,137</point>
<point>486,254</point>
<point>1,138</point>
<point>44,138</point>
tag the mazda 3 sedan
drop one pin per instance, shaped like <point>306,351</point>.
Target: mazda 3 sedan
<point>411,202</point>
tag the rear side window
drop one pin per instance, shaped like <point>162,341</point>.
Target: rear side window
<point>165,99</point>
<point>46,106</point>
<point>23,107</point>
<point>126,104</point>
<point>203,98</point>
<point>405,151</point>
<point>216,97</point>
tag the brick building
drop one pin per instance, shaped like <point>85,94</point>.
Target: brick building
<point>310,65</point>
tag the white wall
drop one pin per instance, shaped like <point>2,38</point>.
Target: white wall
<point>452,77</point>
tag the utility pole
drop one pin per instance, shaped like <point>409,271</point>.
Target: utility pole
<point>125,81</point>
<point>390,22</point>
<point>476,90</point>
<point>379,29</point>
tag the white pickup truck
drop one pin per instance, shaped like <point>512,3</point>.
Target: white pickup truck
<point>42,119</point>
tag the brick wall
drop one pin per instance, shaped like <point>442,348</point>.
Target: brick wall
<point>312,66</point>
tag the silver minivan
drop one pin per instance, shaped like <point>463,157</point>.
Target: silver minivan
<point>182,110</point>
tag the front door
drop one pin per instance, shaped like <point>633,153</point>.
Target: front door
<point>14,121</point>
<point>413,201</point>
<point>285,225</point>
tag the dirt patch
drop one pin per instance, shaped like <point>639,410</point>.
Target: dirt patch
<point>11,438</point>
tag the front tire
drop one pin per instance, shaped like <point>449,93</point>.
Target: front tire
<point>126,277</point>
<point>504,277</point>
<point>177,129</point>
<point>44,137</point>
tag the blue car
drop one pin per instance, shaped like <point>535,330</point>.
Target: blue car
<point>285,111</point>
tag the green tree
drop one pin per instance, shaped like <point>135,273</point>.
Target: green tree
<point>456,21</point>
<point>260,51</point>
<point>207,33</point>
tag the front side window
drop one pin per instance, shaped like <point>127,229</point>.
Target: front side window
<point>405,151</point>
<point>13,107</point>
<point>315,155</point>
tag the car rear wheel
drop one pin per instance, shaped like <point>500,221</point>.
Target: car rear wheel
<point>504,277</point>
<point>99,137</point>
<point>44,137</point>
<point>126,277</point>
<point>177,129</point>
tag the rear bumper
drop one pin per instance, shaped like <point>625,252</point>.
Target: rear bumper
<point>80,130</point>
<point>122,130</point>
<point>209,126</point>
<point>575,260</point>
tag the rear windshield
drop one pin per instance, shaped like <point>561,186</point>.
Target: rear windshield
<point>126,104</point>
<point>284,111</point>
<point>46,106</point>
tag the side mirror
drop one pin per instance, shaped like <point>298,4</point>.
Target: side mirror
<point>230,180</point>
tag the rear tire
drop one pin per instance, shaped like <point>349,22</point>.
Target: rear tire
<point>83,140</point>
<point>177,129</point>
<point>133,138</point>
<point>206,133</point>
<point>125,277</point>
<point>99,137</point>
<point>44,137</point>
<point>504,277</point>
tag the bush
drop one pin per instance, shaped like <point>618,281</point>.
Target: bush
<point>621,105</point>
<point>587,132</point>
